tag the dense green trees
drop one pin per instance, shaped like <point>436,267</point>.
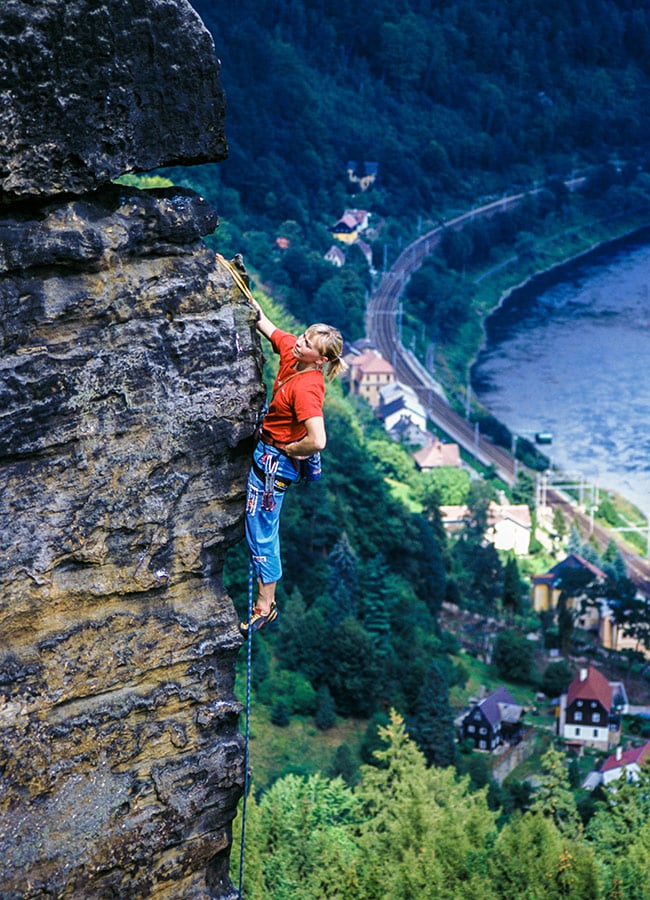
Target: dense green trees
<point>513,656</point>
<point>407,831</point>
<point>452,101</point>
<point>455,101</point>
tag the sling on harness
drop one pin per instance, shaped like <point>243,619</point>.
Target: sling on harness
<point>270,469</point>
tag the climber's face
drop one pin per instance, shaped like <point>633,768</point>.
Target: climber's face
<point>305,350</point>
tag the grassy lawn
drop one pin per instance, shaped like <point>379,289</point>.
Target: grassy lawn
<point>299,747</point>
<point>482,675</point>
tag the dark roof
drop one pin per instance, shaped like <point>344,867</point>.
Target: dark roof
<point>575,561</point>
<point>496,706</point>
<point>393,407</point>
<point>364,168</point>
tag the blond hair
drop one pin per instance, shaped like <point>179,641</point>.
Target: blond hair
<point>329,343</point>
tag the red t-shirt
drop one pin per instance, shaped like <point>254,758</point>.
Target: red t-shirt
<point>296,398</point>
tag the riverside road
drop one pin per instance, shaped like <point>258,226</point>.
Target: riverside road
<point>382,331</point>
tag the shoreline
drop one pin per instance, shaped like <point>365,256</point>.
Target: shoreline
<point>553,270</point>
<point>547,278</point>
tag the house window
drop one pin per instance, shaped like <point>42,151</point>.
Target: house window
<point>579,703</point>
<point>595,718</point>
<point>595,732</point>
<point>483,731</point>
<point>471,729</point>
<point>578,716</point>
<point>482,745</point>
<point>577,732</point>
<point>593,704</point>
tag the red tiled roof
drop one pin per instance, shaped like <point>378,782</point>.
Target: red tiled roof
<point>594,687</point>
<point>370,362</point>
<point>636,755</point>
<point>437,454</point>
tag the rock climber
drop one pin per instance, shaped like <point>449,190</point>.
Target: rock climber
<point>292,431</point>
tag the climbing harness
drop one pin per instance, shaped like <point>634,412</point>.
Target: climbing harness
<point>249,657</point>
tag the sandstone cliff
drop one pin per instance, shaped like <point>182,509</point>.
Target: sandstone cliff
<point>130,378</point>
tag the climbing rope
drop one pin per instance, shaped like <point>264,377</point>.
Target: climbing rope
<point>238,278</point>
<point>249,657</point>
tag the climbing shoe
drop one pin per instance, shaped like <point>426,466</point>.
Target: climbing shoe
<point>258,620</point>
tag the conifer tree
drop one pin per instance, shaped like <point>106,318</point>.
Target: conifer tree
<point>554,798</point>
<point>424,834</point>
<point>343,579</point>
<point>532,859</point>
<point>432,725</point>
<point>374,609</point>
<point>512,587</point>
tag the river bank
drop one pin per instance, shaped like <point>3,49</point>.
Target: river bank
<point>563,353</point>
<point>549,274</point>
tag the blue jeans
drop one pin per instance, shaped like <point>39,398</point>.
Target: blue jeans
<point>263,525</point>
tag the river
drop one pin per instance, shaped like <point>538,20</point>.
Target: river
<point>569,353</point>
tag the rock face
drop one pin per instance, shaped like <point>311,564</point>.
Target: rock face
<point>130,380</point>
<point>90,90</point>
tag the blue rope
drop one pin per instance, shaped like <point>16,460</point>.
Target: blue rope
<point>247,732</point>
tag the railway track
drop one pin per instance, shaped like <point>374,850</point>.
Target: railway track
<point>381,328</point>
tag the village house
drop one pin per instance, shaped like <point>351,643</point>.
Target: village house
<point>509,526</point>
<point>363,174</point>
<point>614,635</point>
<point>494,720</point>
<point>436,454</point>
<point>625,762</point>
<point>367,373</point>
<point>589,712</point>
<point>336,256</point>
<point>547,588</point>
<point>351,223</point>
<point>398,402</point>
<point>598,617</point>
<point>405,431</point>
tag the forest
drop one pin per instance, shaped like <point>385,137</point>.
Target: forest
<point>448,104</point>
<point>452,102</point>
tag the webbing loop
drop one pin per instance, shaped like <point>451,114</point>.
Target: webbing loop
<point>238,278</point>
<point>249,657</point>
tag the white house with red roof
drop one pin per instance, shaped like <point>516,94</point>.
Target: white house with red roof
<point>587,714</point>
<point>336,256</point>
<point>625,762</point>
